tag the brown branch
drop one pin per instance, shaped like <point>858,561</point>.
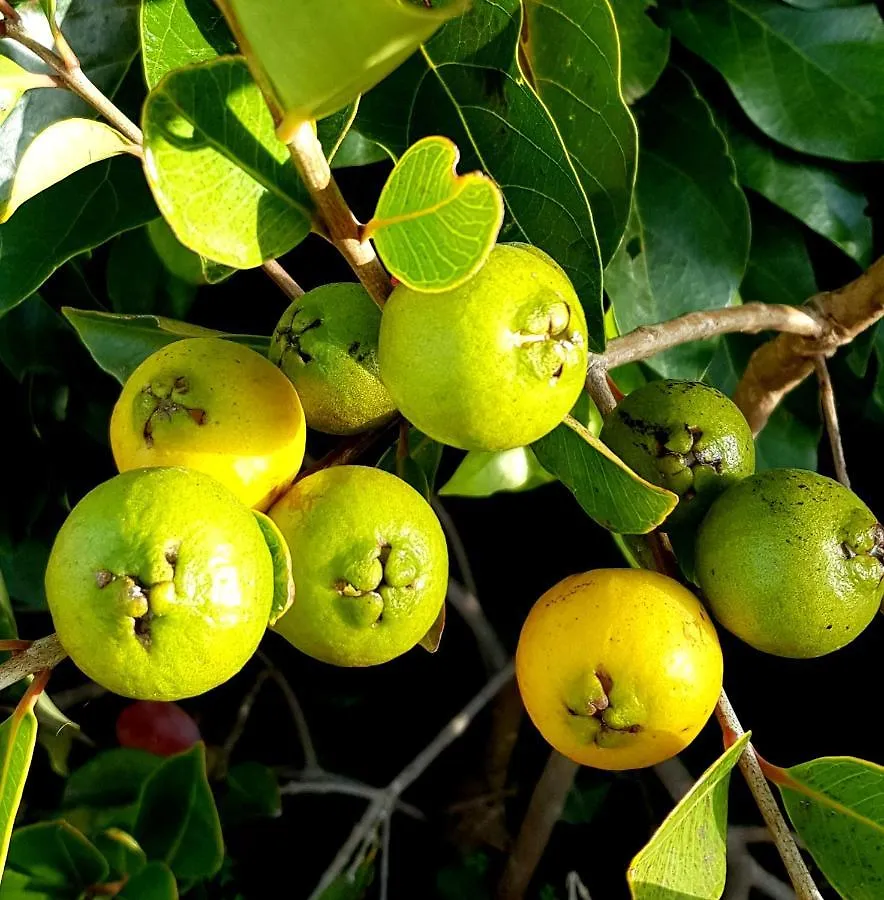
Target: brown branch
<point>343,229</point>
<point>780,365</point>
<point>283,280</point>
<point>349,449</point>
<point>830,417</point>
<point>42,654</point>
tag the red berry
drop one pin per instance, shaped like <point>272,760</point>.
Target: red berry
<point>160,728</point>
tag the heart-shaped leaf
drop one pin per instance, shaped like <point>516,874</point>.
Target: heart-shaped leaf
<point>120,343</point>
<point>352,45</point>
<point>154,882</point>
<point>283,580</point>
<point>432,227</point>
<point>18,736</point>
<point>686,857</point>
<point>222,179</point>
<point>609,492</point>
<point>837,807</point>
<point>482,474</point>
<point>63,148</point>
<point>14,81</point>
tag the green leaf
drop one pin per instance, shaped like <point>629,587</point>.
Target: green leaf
<point>573,57</point>
<point>184,264</point>
<point>252,793</point>
<point>609,492</point>
<point>80,213</point>
<point>283,580</point>
<point>686,857</point>
<point>688,238</point>
<point>56,858</point>
<point>432,227</point>
<point>352,45</point>
<point>154,882</point>
<point>177,820</point>
<point>222,179</point>
<point>829,203</point>
<point>112,778</point>
<point>177,33</point>
<point>644,47</point>
<point>14,81</point>
<point>119,343</point>
<point>836,804</point>
<point>466,84</point>
<point>18,736</point>
<point>482,474</point>
<point>810,79</point>
<point>357,150</point>
<point>63,148</point>
<point>584,801</point>
<point>424,452</point>
<point>121,851</point>
<point>56,733</point>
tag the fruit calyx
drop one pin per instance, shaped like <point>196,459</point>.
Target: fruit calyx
<point>292,338</point>
<point>593,712</point>
<point>165,403</point>
<point>548,341</point>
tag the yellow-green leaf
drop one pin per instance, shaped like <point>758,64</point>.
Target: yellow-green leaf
<point>432,227</point>
<point>14,81</point>
<point>313,57</point>
<point>686,857</point>
<point>283,579</point>
<point>18,735</point>
<point>60,150</point>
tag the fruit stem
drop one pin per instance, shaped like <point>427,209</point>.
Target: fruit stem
<point>751,768</point>
<point>42,654</point>
<point>830,417</point>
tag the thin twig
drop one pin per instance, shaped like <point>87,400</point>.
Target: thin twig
<point>386,826</point>
<point>326,783</point>
<point>242,715</point>
<point>764,798</point>
<point>491,648</point>
<point>457,546</point>
<point>745,874</point>
<point>577,890</point>
<point>341,224</point>
<point>283,280</point>
<point>830,417</point>
<point>42,654</point>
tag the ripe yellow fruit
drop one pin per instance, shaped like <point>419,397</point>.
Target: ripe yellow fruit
<point>619,668</point>
<point>217,407</point>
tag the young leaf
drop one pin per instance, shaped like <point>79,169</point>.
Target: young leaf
<point>252,793</point>
<point>119,343</point>
<point>14,81</point>
<point>177,820</point>
<point>154,882</point>
<point>432,227</point>
<point>177,33</point>
<point>467,85</point>
<point>573,60</point>
<point>837,807</point>
<point>688,238</point>
<point>18,736</point>
<point>686,857</point>
<point>433,638</point>
<point>352,45</point>
<point>56,857</point>
<point>644,47</point>
<point>824,67</point>
<point>483,474</point>
<point>283,580</point>
<point>609,492</point>
<point>63,148</point>
<point>222,179</point>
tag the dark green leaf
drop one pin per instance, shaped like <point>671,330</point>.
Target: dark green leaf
<point>584,801</point>
<point>78,214</point>
<point>112,778</point>
<point>466,84</point>
<point>252,793</point>
<point>644,48</point>
<point>810,79</point>
<point>18,735</point>
<point>32,335</point>
<point>177,820</point>
<point>609,492</point>
<point>118,343</point>
<point>572,52</point>
<point>424,452</point>
<point>483,474</point>
<point>56,857</point>
<point>154,882</point>
<point>688,240</point>
<point>357,150</point>
<point>837,807</point>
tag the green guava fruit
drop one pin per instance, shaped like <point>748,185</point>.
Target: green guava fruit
<point>684,436</point>
<point>493,364</point>
<point>160,584</point>
<point>327,344</point>
<point>791,562</point>
<point>369,561</point>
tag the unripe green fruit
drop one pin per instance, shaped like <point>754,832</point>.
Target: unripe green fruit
<point>327,344</point>
<point>160,584</point>
<point>792,563</point>
<point>493,364</point>
<point>684,436</point>
<point>369,562</point>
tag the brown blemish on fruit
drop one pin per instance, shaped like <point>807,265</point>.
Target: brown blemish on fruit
<point>292,337</point>
<point>167,405</point>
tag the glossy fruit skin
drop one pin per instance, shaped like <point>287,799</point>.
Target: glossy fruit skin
<point>352,607</point>
<point>684,436</point>
<point>214,406</point>
<point>493,364</point>
<point>791,562</point>
<point>326,343</point>
<point>163,729</point>
<point>619,668</point>
<point>160,584</point>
